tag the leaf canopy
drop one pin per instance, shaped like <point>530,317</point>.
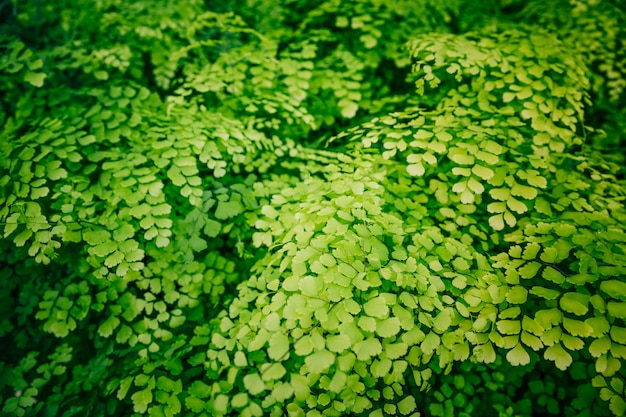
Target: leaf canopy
<point>301,208</point>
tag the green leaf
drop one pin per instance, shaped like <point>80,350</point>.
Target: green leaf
<point>272,322</point>
<point>600,346</point>
<point>423,134</point>
<point>254,384</point>
<point>380,368</point>
<point>510,313</point>
<point>415,170</point>
<point>551,274</point>
<point>35,65</point>
<point>173,404</point>
<point>577,327</point>
<point>617,384</point>
<point>442,321</point>
<point>516,205</point>
<point>367,323</point>
<point>530,269</point>
<point>564,229</point>
<point>185,161</point>
<point>123,232</point>
<point>105,248</point>
<point>258,341</point>
<point>482,172</point>
<point>524,191</point>
<point>460,264</point>
<point>485,353</point>
<point>165,384</point>
<point>531,341</point>
<point>228,209</point>
<point>617,310</point>
<point>338,383</point>
<point>161,210</point>
<point>304,345</point>
<point>141,400</point>
<point>618,405</point>
<point>221,404</point>
<point>22,237</point>
<point>575,303</point>
<point>532,326</point>
<point>572,342</point>
<point>348,108</point>
<point>509,326</point>
<point>96,237</point>
<point>497,222</point>
<point>347,270</point>
<point>108,326</point>
<point>194,404</point>
<point>272,371</point>
<point>114,259</point>
<point>559,356</point>
<point>518,356</point>
<point>548,317</point>
<point>199,389</point>
<point>508,97</point>
<point>461,158</point>
<point>396,350</point>
<point>599,324</point>
<point>549,255</point>
<point>618,334</point>
<point>530,251</point>
<point>614,288</point>
<point>501,194</point>
<point>388,327</point>
<point>344,201</point>
<point>124,387</point>
<point>606,394</point>
<point>407,405</point>
<point>40,192</point>
<point>517,295</point>
<point>338,343</point>
<point>320,361</point>
<point>475,186</point>
<point>376,307</point>
<point>430,343</point>
<point>309,286</point>
<point>35,78</point>
<point>537,181</point>
<point>212,228</point>
<point>367,348</point>
<point>278,346</point>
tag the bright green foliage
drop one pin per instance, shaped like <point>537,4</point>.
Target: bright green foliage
<point>313,208</point>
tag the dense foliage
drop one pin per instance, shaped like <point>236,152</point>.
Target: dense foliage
<point>307,208</point>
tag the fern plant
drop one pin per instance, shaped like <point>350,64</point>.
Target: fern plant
<point>356,208</point>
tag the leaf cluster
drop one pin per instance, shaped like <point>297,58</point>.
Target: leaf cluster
<point>322,208</point>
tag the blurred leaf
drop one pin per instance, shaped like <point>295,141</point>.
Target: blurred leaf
<point>35,78</point>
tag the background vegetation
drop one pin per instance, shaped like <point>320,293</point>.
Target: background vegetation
<point>312,208</point>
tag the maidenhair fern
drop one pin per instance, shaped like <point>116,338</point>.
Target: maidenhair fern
<point>324,208</point>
